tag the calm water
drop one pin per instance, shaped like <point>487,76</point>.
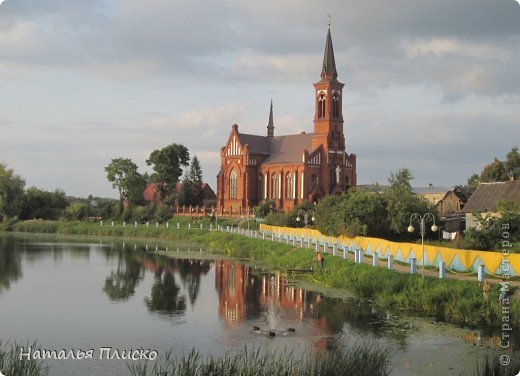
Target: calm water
<point>86,295</point>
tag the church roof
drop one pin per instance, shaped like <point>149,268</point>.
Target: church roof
<point>281,149</point>
<point>288,149</point>
<point>257,144</point>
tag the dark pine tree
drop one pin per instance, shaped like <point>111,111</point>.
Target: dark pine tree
<point>192,184</point>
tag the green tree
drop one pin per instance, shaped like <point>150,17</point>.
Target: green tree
<point>192,184</point>
<point>330,215</point>
<point>11,192</point>
<point>400,181</point>
<point>498,170</point>
<point>473,182</point>
<point>76,211</point>
<point>495,171</point>
<point>136,186</point>
<point>402,202</point>
<point>293,216</point>
<point>366,213</point>
<point>265,208</point>
<point>42,204</point>
<point>168,164</point>
<point>512,163</point>
<point>123,175</point>
<point>162,213</point>
<point>488,235</point>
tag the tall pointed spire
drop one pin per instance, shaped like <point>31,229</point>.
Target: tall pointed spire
<point>329,63</point>
<point>270,125</point>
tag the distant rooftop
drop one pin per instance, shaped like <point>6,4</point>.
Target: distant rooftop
<point>486,196</point>
<point>424,190</point>
<point>416,190</point>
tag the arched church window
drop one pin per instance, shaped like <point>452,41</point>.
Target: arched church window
<point>233,184</point>
<point>289,185</point>
<point>321,105</point>
<point>335,105</point>
<point>276,186</point>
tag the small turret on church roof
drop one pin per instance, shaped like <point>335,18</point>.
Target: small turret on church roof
<point>270,124</point>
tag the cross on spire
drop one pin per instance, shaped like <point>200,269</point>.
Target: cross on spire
<point>328,70</point>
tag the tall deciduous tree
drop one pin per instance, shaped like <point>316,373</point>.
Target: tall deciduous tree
<point>123,175</point>
<point>401,201</point>
<point>512,163</point>
<point>473,182</point>
<point>42,204</point>
<point>192,184</point>
<point>366,213</point>
<point>495,171</point>
<point>499,170</point>
<point>11,192</point>
<point>167,164</point>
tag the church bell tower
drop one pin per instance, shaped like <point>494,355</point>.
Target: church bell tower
<point>328,119</point>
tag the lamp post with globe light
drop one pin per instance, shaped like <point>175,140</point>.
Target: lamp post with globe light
<point>306,214</point>
<point>422,220</point>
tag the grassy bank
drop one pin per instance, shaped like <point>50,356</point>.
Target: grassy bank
<point>454,301</point>
<point>11,364</point>
<point>362,360</point>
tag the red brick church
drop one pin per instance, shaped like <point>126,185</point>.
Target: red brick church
<point>293,168</point>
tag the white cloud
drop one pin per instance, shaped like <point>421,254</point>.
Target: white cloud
<point>85,81</point>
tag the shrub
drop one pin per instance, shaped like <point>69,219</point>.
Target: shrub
<point>127,214</point>
<point>76,211</point>
<point>277,219</point>
<point>8,223</point>
<point>264,209</point>
<point>162,213</point>
<point>143,214</point>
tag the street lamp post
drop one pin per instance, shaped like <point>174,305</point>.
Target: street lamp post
<point>305,216</point>
<point>422,220</point>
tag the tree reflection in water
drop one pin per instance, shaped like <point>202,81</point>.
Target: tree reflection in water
<point>121,283</point>
<point>190,271</point>
<point>10,264</point>
<point>164,297</point>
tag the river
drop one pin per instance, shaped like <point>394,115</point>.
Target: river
<point>108,296</point>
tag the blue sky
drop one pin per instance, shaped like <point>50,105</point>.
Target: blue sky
<point>431,86</point>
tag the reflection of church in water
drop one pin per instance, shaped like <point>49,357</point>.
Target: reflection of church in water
<point>244,294</point>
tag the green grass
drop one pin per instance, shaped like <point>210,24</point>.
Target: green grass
<point>12,365</point>
<point>454,301</point>
<point>364,359</point>
<point>490,366</point>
